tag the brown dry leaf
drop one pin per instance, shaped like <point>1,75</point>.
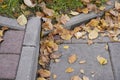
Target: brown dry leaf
<point>54,76</point>
<point>117,5</point>
<point>93,34</point>
<point>40,78</point>
<point>65,47</point>
<point>69,70</point>
<point>1,1</point>
<point>82,62</point>
<point>30,3</point>
<point>93,22</point>
<point>47,25</point>
<point>74,13</point>
<point>76,78</point>
<point>22,20</point>
<point>1,33</point>
<point>52,45</point>
<point>46,10</point>
<point>22,6</point>
<point>64,18</point>
<point>101,60</point>
<point>40,14</point>
<point>85,10</point>
<point>44,73</point>
<point>72,58</point>
<point>82,71</point>
<point>92,7</point>
<point>114,13</point>
<point>55,56</point>
<point>85,78</point>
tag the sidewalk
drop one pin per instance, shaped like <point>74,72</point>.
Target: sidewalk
<point>92,69</point>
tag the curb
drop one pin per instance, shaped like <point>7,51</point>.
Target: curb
<point>29,57</point>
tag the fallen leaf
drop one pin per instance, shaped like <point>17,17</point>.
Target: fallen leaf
<point>40,78</point>
<point>93,22</point>
<point>72,58</point>
<point>69,70</point>
<point>30,3</point>
<point>74,13</point>
<point>1,1</point>
<point>46,10</point>
<point>101,60</point>
<point>85,10</point>
<point>55,56</point>
<point>75,78</point>
<point>117,5</point>
<point>82,71</point>
<point>22,20</point>
<point>54,76</point>
<point>65,47</point>
<point>90,42</point>
<point>1,33</point>
<point>1,39</point>
<point>85,78</point>
<point>66,36</point>
<point>102,8</point>
<point>93,34</point>
<point>44,73</point>
<point>64,18</point>
<point>47,25</point>
<point>87,1</point>
<point>79,34</point>
<point>82,62</point>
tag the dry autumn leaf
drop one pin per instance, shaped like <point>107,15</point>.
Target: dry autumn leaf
<point>85,10</point>
<point>40,78</point>
<point>65,47</point>
<point>75,78</point>
<point>1,33</point>
<point>117,5</point>
<point>64,18</point>
<point>72,58</point>
<point>30,3</point>
<point>79,34</point>
<point>66,36</point>
<point>55,56</point>
<point>102,8</point>
<point>82,62</point>
<point>47,25</point>
<point>82,71</point>
<point>74,13</point>
<point>85,78</point>
<point>44,73</point>
<point>54,76</point>
<point>93,34</point>
<point>101,60</point>
<point>22,20</point>
<point>69,70</point>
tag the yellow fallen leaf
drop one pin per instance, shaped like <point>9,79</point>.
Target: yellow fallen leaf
<point>1,33</point>
<point>74,13</point>
<point>44,73</point>
<point>85,10</point>
<point>69,70</point>
<point>75,78</point>
<point>101,60</point>
<point>85,78</point>
<point>22,20</point>
<point>65,47</point>
<point>93,34</point>
<point>66,36</point>
<point>54,76</point>
<point>82,71</point>
<point>82,61</point>
<point>40,78</point>
<point>72,58</point>
<point>102,8</point>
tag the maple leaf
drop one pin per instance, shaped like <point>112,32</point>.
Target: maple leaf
<point>72,58</point>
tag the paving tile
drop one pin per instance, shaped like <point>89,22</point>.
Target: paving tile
<point>84,52</point>
<point>8,66</point>
<point>115,57</point>
<point>12,42</point>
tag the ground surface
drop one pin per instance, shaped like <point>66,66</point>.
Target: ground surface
<point>89,53</point>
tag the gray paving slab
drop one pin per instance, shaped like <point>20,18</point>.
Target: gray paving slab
<point>115,57</point>
<point>32,31</point>
<point>84,52</point>
<point>26,64</point>
<point>11,23</point>
<point>8,66</point>
<point>12,42</point>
